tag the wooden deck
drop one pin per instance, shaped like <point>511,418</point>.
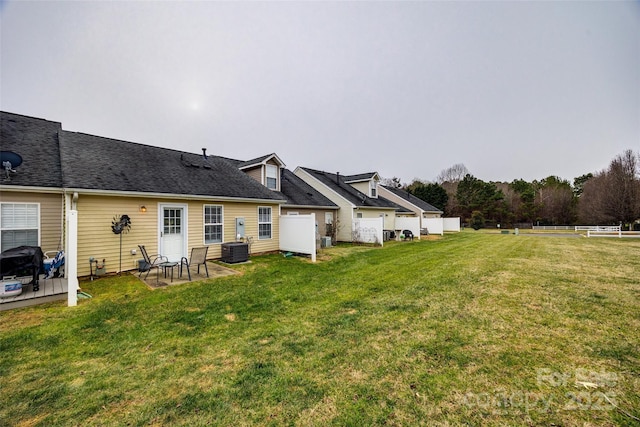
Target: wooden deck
<point>50,290</point>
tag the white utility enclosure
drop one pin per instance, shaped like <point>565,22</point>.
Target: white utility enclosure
<point>298,234</point>
<point>368,230</point>
<point>433,225</point>
<point>451,224</point>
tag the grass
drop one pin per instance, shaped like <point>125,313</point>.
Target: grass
<point>471,329</point>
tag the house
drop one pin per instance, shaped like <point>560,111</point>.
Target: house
<point>402,197</point>
<point>32,199</point>
<point>301,198</point>
<point>175,200</point>
<point>356,195</point>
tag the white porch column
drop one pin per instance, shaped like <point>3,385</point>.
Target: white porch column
<point>71,260</point>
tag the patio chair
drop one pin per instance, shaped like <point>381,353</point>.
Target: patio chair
<point>53,267</point>
<point>147,265</point>
<point>198,257</point>
<point>408,234</point>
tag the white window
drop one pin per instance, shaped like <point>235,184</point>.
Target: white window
<point>272,177</point>
<point>19,225</point>
<point>328,217</point>
<point>264,222</point>
<point>212,224</point>
<point>373,188</point>
<point>172,221</point>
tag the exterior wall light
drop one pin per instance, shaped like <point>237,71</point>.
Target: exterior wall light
<point>142,208</point>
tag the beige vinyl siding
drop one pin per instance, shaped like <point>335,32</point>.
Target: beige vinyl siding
<point>51,215</point>
<point>363,187</point>
<point>255,173</point>
<point>95,238</point>
<point>231,211</point>
<point>320,216</point>
<point>389,216</point>
<point>259,173</point>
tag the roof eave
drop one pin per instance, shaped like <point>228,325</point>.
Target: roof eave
<point>31,189</point>
<point>149,195</point>
<point>310,207</point>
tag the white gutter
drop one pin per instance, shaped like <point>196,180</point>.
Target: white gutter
<point>170,196</point>
<point>311,207</point>
<point>30,189</point>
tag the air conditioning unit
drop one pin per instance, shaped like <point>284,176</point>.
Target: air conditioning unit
<point>235,252</point>
<point>325,242</point>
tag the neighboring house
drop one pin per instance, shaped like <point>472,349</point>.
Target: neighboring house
<point>356,195</point>
<point>176,200</point>
<point>402,197</point>
<point>301,198</point>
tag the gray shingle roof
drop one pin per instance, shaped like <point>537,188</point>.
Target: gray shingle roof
<point>56,158</point>
<point>94,162</point>
<point>337,183</point>
<point>293,189</point>
<point>256,161</point>
<point>36,141</point>
<point>413,199</point>
<point>359,177</point>
<point>299,193</point>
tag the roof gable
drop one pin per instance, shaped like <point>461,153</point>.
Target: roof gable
<point>261,161</point>
<point>362,177</point>
<point>405,195</point>
<point>339,186</point>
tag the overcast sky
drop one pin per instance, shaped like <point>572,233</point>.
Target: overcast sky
<point>510,89</point>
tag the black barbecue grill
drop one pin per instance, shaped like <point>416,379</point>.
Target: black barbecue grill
<point>23,261</point>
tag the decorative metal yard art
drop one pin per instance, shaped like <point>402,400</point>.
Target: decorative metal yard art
<point>121,225</point>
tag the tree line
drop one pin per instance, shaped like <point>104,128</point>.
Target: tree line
<point>608,197</point>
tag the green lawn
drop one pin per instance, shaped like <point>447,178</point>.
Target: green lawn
<point>472,329</point>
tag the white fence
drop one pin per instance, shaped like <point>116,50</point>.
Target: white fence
<point>408,223</point>
<point>598,228</point>
<point>433,225</point>
<point>619,233</point>
<point>298,234</point>
<point>451,224</point>
<point>368,230</point>
<point>552,227</point>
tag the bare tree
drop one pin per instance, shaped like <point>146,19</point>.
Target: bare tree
<point>391,182</point>
<point>455,173</point>
<point>613,195</point>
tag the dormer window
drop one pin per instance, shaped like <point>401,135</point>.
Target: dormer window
<point>373,188</point>
<point>272,177</point>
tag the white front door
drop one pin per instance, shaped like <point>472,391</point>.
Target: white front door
<point>173,231</point>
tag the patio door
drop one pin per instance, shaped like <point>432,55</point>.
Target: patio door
<point>173,231</point>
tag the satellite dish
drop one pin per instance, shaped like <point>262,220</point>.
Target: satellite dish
<point>9,160</point>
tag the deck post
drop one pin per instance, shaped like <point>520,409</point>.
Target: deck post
<point>72,258</point>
